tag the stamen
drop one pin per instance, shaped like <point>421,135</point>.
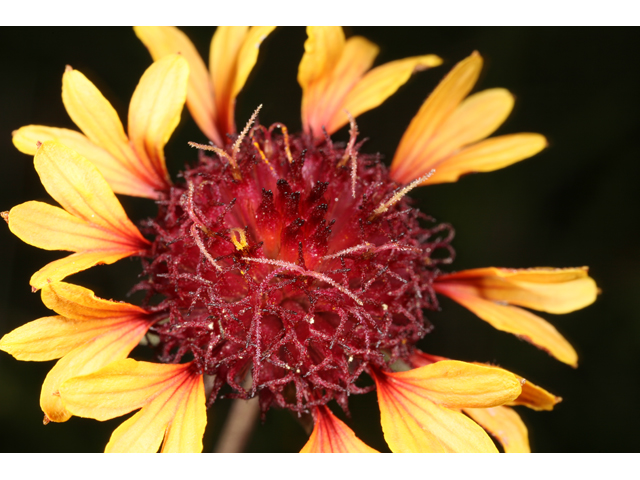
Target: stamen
<point>350,153</point>
<point>285,134</point>
<point>263,156</point>
<point>354,172</point>
<point>203,250</point>
<point>369,246</point>
<point>353,135</point>
<point>399,194</point>
<point>219,151</point>
<point>347,251</point>
<point>236,146</point>
<point>190,209</point>
<point>310,273</point>
<point>5,216</point>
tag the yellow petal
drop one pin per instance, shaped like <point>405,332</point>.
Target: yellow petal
<point>79,303</point>
<point>477,117</point>
<point>552,290</point>
<point>458,384</point>
<point>324,98</point>
<point>189,420</point>
<point>179,416</point>
<point>142,433</point>
<point>322,51</point>
<point>119,178</point>
<point>51,228</point>
<point>380,83</point>
<point>532,396</point>
<point>488,155</point>
<point>505,425</point>
<point>95,226</point>
<point>223,56</point>
<point>411,422</point>
<point>104,342</point>
<point>163,41</point>
<point>77,262</point>
<point>154,113</point>
<point>120,388</point>
<point>433,113</point>
<point>171,397</point>
<point>514,320</point>
<point>44,339</point>
<point>536,398</point>
<point>331,435</point>
<point>247,57</point>
<point>233,54</point>
<point>97,119</point>
<point>76,184</point>
<point>84,317</point>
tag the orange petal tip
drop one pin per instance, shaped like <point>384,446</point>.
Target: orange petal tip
<point>5,216</point>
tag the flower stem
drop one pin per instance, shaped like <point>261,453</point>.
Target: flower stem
<point>237,429</point>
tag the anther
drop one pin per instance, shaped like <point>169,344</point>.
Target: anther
<point>239,238</point>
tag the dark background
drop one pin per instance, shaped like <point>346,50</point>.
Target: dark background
<point>574,204</point>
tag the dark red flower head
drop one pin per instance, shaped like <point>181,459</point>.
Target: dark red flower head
<point>300,263</point>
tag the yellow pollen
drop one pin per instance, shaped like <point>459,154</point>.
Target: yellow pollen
<point>239,238</point>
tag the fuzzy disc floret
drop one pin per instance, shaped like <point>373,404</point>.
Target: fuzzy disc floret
<point>288,268</point>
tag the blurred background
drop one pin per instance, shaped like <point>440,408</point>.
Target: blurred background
<point>577,203</point>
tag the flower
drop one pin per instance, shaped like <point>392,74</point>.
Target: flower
<point>284,267</point>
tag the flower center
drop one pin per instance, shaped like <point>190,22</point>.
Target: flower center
<point>288,268</point>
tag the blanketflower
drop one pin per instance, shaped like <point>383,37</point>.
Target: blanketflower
<point>288,267</point>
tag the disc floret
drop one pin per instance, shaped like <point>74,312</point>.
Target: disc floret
<point>279,260</point>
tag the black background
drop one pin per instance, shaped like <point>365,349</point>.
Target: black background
<point>574,204</point>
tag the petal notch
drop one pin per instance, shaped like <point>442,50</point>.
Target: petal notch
<point>171,399</point>
<point>335,76</point>
<point>93,223</point>
<point>488,292</point>
<point>447,134</point>
<point>418,407</point>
